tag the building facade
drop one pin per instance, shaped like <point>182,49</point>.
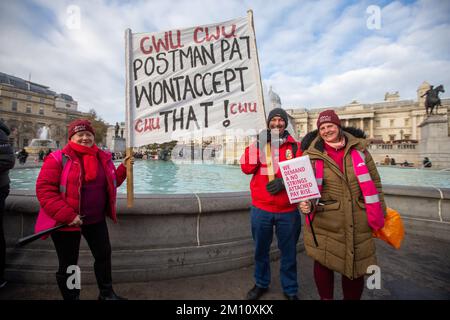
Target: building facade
<point>27,107</point>
<point>392,126</point>
<point>388,121</point>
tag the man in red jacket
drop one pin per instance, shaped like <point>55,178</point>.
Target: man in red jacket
<point>271,206</point>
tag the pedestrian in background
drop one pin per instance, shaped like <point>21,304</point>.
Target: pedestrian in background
<point>7,161</point>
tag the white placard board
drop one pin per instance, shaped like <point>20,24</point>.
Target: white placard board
<point>299,179</point>
<point>203,80</point>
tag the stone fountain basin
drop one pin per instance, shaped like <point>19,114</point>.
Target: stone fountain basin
<point>37,145</point>
<point>179,235</point>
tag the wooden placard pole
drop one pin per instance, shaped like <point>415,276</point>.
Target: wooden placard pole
<point>269,163</point>
<point>129,118</point>
<point>130,185</point>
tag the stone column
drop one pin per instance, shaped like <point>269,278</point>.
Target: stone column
<point>414,127</point>
<point>361,124</point>
<point>371,128</point>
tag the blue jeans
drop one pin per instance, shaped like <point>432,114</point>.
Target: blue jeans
<point>287,230</point>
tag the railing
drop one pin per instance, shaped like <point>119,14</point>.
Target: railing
<point>392,146</point>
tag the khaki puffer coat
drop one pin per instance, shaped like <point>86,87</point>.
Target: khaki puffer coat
<point>344,237</point>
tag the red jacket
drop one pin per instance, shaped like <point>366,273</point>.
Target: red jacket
<point>262,199</point>
<point>48,181</point>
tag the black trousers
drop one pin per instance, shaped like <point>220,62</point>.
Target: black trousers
<point>4,191</point>
<point>67,244</point>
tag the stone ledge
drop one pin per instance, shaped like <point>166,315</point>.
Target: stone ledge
<point>425,192</point>
<point>171,236</point>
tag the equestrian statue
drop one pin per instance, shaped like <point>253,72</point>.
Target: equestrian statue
<point>432,100</point>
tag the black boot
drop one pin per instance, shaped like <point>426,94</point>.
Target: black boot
<point>102,270</point>
<point>256,292</point>
<point>67,294</point>
<point>109,294</point>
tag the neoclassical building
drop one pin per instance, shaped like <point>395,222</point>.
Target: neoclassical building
<point>393,126</point>
<point>387,121</point>
<point>26,107</point>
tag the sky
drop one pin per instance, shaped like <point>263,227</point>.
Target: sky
<point>313,54</point>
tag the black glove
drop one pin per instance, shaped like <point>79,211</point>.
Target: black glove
<point>275,186</point>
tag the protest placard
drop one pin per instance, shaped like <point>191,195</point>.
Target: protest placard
<point>299,179</point>
<point>204,78</point>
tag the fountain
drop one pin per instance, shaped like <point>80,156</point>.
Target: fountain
<point>190,218</point>
<point>197,153</point>
<point>42,143</point>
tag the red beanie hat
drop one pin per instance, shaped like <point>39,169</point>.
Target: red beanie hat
<point>80,125</point>
<point>328,116</point>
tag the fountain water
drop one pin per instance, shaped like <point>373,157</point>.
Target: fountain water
<point>43,133</point>
<point>43,142</point>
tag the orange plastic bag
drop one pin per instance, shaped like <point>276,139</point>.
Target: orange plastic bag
<point>393,231</point>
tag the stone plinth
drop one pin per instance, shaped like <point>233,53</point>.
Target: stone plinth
<point>118,144</point>
<point>435,142</point>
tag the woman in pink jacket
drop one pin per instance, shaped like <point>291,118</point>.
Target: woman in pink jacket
<point>83,201</point>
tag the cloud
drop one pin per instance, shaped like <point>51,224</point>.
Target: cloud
<point>349,62</point>
<point>313,53</point>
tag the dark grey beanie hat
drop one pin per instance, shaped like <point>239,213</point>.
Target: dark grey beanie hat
<point>280,113</point>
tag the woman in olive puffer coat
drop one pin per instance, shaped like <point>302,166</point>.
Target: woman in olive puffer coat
<point>344,237</point>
